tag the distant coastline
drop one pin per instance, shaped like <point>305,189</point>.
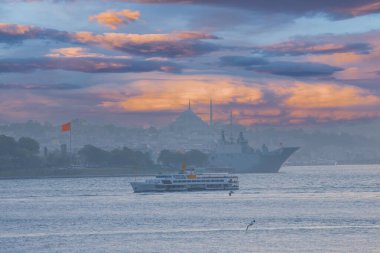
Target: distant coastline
<point>114,172</point>
<point>75,173</point>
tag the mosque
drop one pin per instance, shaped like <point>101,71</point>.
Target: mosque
<point>189,121</point>
<point>189,131</point>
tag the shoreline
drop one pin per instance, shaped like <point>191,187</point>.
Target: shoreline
<point>72,176</point>
<point>110,172</point>
<point>75,173</point>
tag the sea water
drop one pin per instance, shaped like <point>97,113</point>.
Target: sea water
<point>300,209</point>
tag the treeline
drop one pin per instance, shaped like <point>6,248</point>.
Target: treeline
<point>92,156</point>
<point>25,154</point>
<point>19,154</point>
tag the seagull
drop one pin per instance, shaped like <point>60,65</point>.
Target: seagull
<point>250,224</point>
<point>230,193</point>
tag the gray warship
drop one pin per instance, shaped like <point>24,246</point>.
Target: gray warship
<point>238,157</point>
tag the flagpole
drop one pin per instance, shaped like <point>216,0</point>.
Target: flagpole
<point>71,153</point>
<point>70,142</point>
<point>66,127</point>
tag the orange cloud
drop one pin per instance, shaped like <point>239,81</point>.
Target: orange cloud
<point>258,121</point>
<point>300,47</point>
<point>15,29</point>
<point>79,52</point>
<point>119,39</point>
<point>113,19</point>
<point>72,52</point>
<point>356,66</point>
<point>338,58</point>
<point>365,9</point>
<point>178,44</point>
<point>289,103</point>
<point>173,94</point>
<point>303,95</point>
<point>325,116</point>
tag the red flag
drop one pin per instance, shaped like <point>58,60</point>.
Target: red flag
<point>66,127</point>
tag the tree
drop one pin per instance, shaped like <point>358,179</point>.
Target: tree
<point>94,156</point>
<point>22,154</point>
<point>31,146</point>
<point>8,146</point>
<point>196,157</point>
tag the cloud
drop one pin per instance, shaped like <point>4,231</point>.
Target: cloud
<point>15,33</point>
<point>87,65</point>
<point>325,95</point>
<point>337,9</point>
<point>372,7</point>
<point>301,47</point>
<point>177,44</point>
<point>172,94</point>
<point>276,102</point>
<point>310,103</point>
<point>296,69</point>
<point>242,61</point>
<point>347,8</point>
<point>357,66</point>
<point>80,52</point>
<point>36,86</point>
<point>160,97</point>
<point>73,52</point>
<point>282,68</point>
<point>113,19</point>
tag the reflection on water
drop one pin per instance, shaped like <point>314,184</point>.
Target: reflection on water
<point>314,209</point>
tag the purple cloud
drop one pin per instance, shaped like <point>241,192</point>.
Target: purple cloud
<point>301,47</point>
<point>178,44</point>
<point>282,68</point>
<point>87,65</point>
<point>347,8</point>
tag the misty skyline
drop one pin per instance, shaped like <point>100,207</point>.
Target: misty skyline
<point>293,63</point>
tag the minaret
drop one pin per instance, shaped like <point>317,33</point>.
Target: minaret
<point>189,105</point>
<point>211,122</point>
<point>231,122</point>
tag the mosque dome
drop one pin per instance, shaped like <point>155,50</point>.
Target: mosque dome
<point>188,121</point>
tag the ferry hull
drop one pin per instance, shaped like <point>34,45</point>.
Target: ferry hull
<point>139,187</point>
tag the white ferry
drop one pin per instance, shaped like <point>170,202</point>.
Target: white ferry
<point>188,181</point>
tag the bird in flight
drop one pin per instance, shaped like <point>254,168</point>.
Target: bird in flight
<point>250,224</point>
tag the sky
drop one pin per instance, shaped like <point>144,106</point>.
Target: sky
<point>139,62</point>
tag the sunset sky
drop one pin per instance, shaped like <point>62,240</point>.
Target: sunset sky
<point>288,62</point>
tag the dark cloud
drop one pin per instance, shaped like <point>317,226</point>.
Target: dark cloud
<point>87,65</point>
<point>181,44</point>
<point>34,86</point>
<point>335,9</point>
<point>299,47</point>
<point>296,69</point>
<point>14,33</point>
<point>169,49</point>
<point>242,61</point>
<point>346,8</point>
<point>282,68</point>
